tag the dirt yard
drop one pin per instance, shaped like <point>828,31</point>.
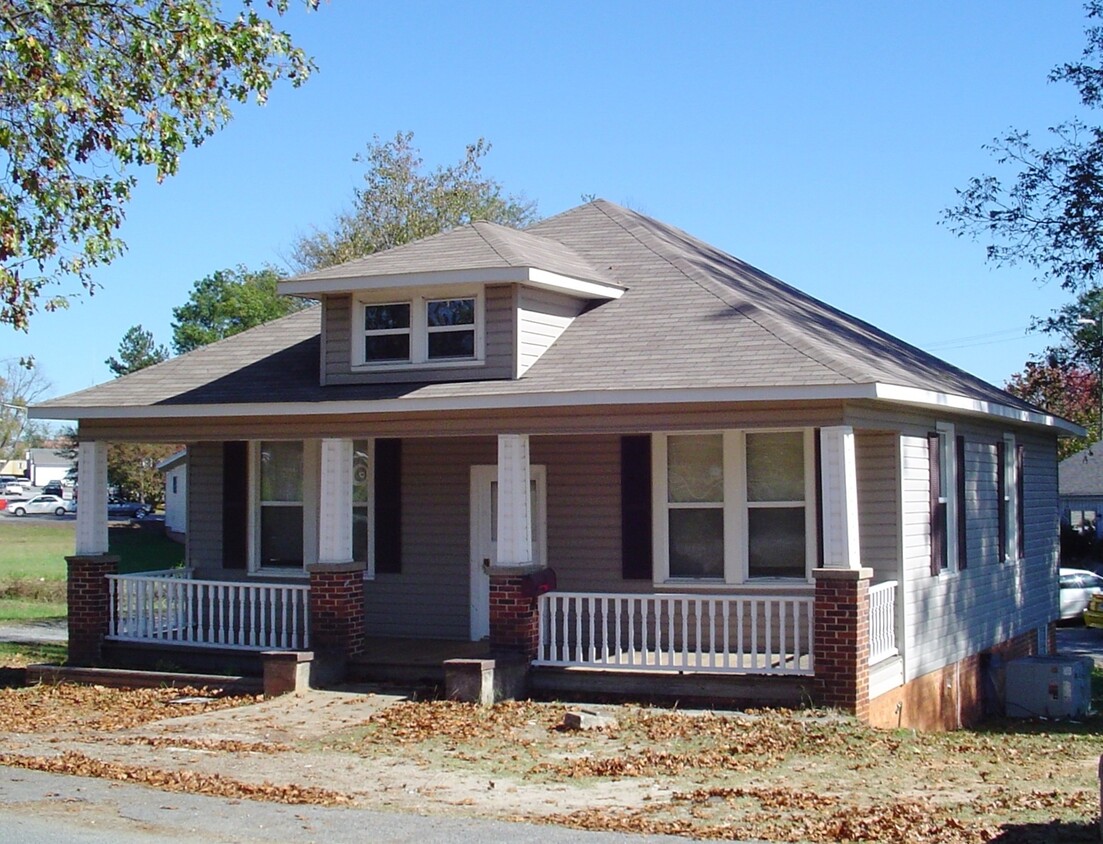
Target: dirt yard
<point>777,776</point>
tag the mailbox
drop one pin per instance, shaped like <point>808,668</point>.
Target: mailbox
<point>537,583</point>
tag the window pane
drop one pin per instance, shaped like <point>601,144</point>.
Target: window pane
<point>452,344</point>
<point>281,536</point>
<point>697,543</point>
<point>775,542</point>
<point>383,317</point>
<point>361,471</point>
<point>387,347</point>
<point>281,471</point>
<point>360,533</point>
<point>695,469</point>
<point>775,466</point>
<point>451,312</point>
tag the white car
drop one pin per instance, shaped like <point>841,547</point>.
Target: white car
<point>1076,587</point>
<point>42,504</point>
<point>12,489</point>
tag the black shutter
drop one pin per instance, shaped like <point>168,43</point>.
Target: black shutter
<point>938,509</point>
<point>388,506</point>
<point>635,507</point>
<point>1020,499</point>
<point>962,550</point>
<point>1001,498</point>
<point>235,504</point>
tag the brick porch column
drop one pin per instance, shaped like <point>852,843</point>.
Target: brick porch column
<point>841,639</point>
<point>514,617</point>
<point>337,608</point>
<point>89,600</point>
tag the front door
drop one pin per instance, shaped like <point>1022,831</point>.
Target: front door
<point>484,536</point>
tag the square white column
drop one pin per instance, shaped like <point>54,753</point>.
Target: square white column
<point>839,492</point>
<point>335,502</point>
<point>92,499</point>
<point>514,501</point>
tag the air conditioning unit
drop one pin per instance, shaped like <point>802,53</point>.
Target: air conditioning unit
<point>1049,686</point>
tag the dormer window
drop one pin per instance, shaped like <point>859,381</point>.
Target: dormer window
<point>437,330</point>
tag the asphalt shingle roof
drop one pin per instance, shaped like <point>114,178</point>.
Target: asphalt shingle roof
<point>693,317</point>
<point>1082,473</point>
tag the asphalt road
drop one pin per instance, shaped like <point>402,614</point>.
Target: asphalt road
<point>41,808</point>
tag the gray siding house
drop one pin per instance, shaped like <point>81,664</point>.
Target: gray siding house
<point>734,484</point>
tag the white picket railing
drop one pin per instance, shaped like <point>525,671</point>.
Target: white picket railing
<point>169,607</point>
<point>684,632</point>
<point>882,621</point>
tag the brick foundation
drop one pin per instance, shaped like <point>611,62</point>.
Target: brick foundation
<point>337,609</point>
<point>953,696</point>
<point>514,618</point>
<point>89,600</point>
<point>841,639</point>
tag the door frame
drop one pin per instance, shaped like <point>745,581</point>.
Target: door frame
<point>482,476</point>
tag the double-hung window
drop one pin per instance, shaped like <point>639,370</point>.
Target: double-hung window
<point>1010,494</point>
<point>279,524</point>
<point>423,330</point>
<point>734,506</point>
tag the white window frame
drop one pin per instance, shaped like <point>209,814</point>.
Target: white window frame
<point>736,508</point>
<point>311,472</point>
<point>1010,501</point>
<point>419,329</point>
<point>947,459</point>
<point>369,567</point>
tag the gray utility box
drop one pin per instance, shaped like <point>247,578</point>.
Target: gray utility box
<point>1049,686</point>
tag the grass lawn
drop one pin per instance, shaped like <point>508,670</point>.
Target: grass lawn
<point>18,655</point>
<point>32,562</point>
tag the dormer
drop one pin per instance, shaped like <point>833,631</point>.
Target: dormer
<point>479,302</point>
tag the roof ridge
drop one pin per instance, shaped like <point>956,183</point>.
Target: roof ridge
<point>701,278</point>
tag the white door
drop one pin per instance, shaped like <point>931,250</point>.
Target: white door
<point>484,536</point>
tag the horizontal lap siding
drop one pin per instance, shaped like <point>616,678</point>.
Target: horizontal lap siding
<point>336,336</point>
<point>878,503</point>
<point>429,598</point>
<point>542,316</point>
<point>204,491</point>
<point>952,616</point>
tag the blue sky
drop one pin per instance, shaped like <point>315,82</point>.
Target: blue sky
<point>818,141</point>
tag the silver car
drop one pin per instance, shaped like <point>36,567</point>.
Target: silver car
<point>1076,588</point>
<point>41,504</point>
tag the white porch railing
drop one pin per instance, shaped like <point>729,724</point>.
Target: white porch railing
<point>171,608</point>
<point>882,621</point>
<point>715,634</point>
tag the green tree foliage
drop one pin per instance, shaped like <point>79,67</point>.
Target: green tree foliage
<point>19,387</point>
<point>399,202</point>
<point>90,91</point>
<point>1048,214</point>
<point>137,350</point>
<point>228,302</point>
<point>132,471</point>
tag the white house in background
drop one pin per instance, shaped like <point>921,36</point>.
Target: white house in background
<point>47,464</point>
<point>175,470</point>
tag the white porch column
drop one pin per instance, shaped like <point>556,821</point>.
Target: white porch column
<point>92,499</point>
<point>514,501</point>
<point>838,470</point>
<point>335,502</point>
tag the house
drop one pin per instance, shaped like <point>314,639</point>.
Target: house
<point>175,469</point>
<point>47,464</point>
<point>740,490</point>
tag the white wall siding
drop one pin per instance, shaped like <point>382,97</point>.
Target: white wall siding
<point>176,498</point>
<point>951,616</point>
<point>541,317</point>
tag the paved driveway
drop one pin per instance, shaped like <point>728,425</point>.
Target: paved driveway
<point>1081,641</point>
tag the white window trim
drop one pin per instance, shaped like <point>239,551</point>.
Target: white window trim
<point>736,508</point>
<point>947,457</point>
<point>311,473</point>
<point>1010,501</point>
<point>418,330</point>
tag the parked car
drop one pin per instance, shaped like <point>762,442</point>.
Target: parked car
<point>1077,587</point>
<point>12,489</point>
<point>126,509</point>
<point>53,488</point>
<point>41,504</point>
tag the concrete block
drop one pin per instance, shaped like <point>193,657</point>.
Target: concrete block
<point>286,672</point>
<point>587,719</point>
<point>486,681</point>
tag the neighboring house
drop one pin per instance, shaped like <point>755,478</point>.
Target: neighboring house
<point>175,469</point>
<point>16,468</point>
<point>738,487</point>
<point>1080,484</point>
<point>45,465</point>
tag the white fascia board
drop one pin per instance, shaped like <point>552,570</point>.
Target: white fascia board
<point>950,401</point>
<point>573,398</point>
<point>311,288</point>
